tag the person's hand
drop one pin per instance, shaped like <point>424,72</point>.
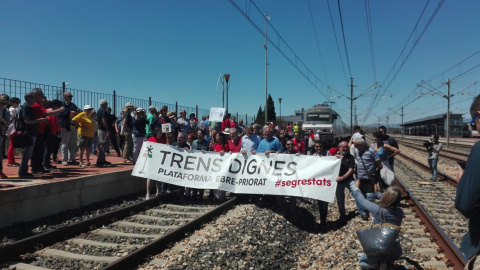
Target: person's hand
<point>254,152</point>
<point>297,154</point>
<point>339,179</point>
<point>41,120</point>
<point>243,152</point>
<point>459,173</point>
<point>376,188</point>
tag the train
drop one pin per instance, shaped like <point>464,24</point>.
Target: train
<point>469,132</point>
<point>322,117</point>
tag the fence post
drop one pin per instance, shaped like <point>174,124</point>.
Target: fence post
<point>176,109</point>
<point>114,101</point>
<point>246,119</point>
<point>196,111</point>
<point>149,102</point>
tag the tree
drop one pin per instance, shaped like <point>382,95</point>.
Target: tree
<point>260,117</point>
<point>271,115</point>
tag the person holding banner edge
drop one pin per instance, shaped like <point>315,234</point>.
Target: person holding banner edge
<point>158,137</point>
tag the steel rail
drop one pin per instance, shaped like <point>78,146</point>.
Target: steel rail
<point>455,257</point>
<point>30,244</point>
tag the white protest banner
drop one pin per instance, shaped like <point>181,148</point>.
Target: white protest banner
<point>275,174</point>
<point>216,114</point>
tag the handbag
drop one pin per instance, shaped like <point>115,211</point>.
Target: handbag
<point>387,175</point>
<point>22,140</point>
<point>378,240</point>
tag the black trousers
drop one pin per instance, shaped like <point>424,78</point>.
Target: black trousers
<point>113,140</point>
<point>38,151</point>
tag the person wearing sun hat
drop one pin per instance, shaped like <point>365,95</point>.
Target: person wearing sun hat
<point>86,130</point>
<point>139,132</point>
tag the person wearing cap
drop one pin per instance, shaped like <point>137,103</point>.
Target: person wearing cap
<point>127,127</point>
<point>151,119</point>
<point>68,144</point>
<point>103,133</point>
<point>51,130</point>
<point>139,132</point>
<point>86,130</point>
<point>39,146</point>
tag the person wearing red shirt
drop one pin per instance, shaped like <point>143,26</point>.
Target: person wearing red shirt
<point>158,137</point>
<point>52,128</point>
<point>39,146</point>
<point>299,144</point>
<point>233,123</point>
<point>221,146</point>
<point>226,122</point>
<point>235,143</point>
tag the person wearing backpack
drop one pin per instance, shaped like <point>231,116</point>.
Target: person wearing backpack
<point>27,124</point>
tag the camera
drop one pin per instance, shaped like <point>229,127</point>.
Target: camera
<point>427,143</point>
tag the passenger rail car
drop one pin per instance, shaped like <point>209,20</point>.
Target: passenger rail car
<point>322,117</point>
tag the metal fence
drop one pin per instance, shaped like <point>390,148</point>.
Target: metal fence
<point>17,88</point>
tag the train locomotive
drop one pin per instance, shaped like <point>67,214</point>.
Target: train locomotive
<point>323,118</point>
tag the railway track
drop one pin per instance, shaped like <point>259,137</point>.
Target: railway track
<point>433,203</point>
<point>446,153</point>
<point>122,239</point>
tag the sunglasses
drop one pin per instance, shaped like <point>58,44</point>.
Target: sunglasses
<point>472,123</point>
<point>69,96</point>
<point>289,144</point>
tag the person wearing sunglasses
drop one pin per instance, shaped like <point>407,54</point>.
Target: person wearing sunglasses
<point>468,195</point>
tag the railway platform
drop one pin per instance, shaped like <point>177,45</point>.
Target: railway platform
<point>27,199</point>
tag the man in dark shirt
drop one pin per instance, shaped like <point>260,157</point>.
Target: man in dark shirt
<point>103,133</point>
<point>391,141</point>
<point>345,178</point>
<point>203,145</point>
<point>31,122</point>
<point>111,122</point>
<point>68,131</point>
<point>467,200</point>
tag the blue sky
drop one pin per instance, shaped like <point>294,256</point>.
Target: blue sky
<point>174,51</point>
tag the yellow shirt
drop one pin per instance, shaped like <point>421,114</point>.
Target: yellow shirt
<point>86,125</point>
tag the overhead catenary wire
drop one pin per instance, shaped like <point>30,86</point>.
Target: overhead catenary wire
<point>370,37</point>
<point>293,62</point>
<point>336,41</point>
<point>394,71</point>
<point>344,40</point>
<point>318,44</point>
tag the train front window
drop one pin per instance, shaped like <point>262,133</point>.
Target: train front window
<point>318,117</point>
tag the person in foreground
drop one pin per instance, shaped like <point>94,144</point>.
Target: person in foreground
<point>467,200</point>
<point>393,214</point>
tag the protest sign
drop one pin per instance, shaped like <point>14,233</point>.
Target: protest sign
<point>216,114</point>
<point>273,174</point>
